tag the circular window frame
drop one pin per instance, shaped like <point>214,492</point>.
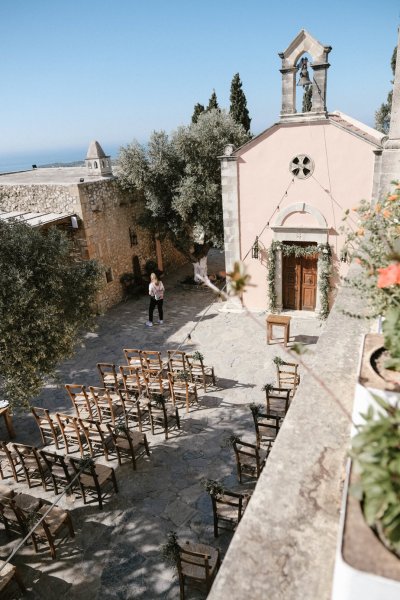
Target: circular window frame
<point>303,164</point>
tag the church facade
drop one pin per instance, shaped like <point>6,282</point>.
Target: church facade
<point>286,191</point>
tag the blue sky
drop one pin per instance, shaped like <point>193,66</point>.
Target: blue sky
<point>72,71</point>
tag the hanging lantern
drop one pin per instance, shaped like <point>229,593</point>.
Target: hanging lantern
<point>255,249</point>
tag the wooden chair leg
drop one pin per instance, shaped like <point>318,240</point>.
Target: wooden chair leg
<point>19,582</point>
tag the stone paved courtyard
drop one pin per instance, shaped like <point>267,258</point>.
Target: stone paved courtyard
<point>115,553</point>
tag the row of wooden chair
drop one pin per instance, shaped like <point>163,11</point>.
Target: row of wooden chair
<point>177,361</point>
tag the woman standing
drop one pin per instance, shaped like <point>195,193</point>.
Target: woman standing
<point>156,293</point>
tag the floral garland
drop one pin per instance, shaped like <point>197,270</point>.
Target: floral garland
<point>324,256</point>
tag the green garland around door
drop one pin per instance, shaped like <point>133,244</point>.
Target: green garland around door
<point>324,257</point>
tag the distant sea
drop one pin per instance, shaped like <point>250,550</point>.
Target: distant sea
<point>23,161</point>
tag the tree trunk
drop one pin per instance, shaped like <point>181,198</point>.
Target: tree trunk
<point>200,269</point>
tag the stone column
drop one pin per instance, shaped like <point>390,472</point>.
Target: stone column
<point>288,90</point>
<point>394,130</point>
<point>278,280</point>
<point>319,87</point>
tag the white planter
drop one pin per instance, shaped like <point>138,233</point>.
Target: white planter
<point>349,582</point>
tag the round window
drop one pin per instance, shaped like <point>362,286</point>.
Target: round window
<point>302,166</point>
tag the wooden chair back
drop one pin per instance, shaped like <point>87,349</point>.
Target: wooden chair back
<point>133,358</point>
<point>132,443</point>
<point>108,403</point>
<point>277,400</point>
<point>58,468</point>
<point>109,376</point>
<point>131,379</point>
<point>228,509</point>
<point>199,371</point>
<point>267,428</point>
<point>181,390</point>
<point>97,437</point>
<point>250,459</point>
<point>135,410</point>
<point>155,383</point>
<point>166,416</point>
<point>151,359</point>
<point>93,477</point>
<point>9,462</point>
<point>176,361</point>
<point>82,403</point>
<point>71,433</point>
<point>49,430</point>
<point>288,376</point>
<point>34,468</point>
<point>197,562</point>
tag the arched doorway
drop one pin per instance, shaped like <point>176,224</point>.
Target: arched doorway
<point>299,280</point>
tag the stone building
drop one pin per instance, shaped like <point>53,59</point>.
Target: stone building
<point>291,185</point>
<point>99,216</point>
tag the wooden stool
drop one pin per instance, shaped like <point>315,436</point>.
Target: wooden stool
<point>278,321</point>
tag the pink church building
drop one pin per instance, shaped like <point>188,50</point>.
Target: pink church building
<point>286,191</point>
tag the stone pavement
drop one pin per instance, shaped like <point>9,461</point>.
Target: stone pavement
<point>115,553</point>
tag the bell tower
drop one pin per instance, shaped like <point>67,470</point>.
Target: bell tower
<point>97,163</point>
<point>291,64</point>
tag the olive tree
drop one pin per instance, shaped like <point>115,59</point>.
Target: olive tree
<point>46,297</point>
<point>180,180</point>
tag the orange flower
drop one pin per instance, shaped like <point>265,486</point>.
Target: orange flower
<point>378,208</point>
<point>357,260</point>
<point>393,197</point>
<point>389,275</point>
<point>387,213</point>
<point>360,232</point>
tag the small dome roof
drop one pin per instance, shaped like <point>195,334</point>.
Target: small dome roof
<point>95,151</point>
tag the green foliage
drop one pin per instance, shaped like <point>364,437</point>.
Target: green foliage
<point>197,356</point>
<point>183,376</point>
<point>213,487</point>
<point>278,361</point>
<point>180,180</point>
<point>375,450</point>
<point>256,408</point>
<point>307,99</point>
<point>382,115</point>
<point>229,440</point>
<point>45,300</point>
<point>170,550</point>
<point>267,387</point>
<point>324,257</point>
<point>198,109</point>
<point>376,247</point>
<point>238,108</point>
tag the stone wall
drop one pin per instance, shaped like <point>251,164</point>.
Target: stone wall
<point>106,217</point>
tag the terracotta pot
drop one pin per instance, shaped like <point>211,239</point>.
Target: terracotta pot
<point>364,567</point>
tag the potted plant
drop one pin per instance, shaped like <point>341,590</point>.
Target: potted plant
<point>367,564</point>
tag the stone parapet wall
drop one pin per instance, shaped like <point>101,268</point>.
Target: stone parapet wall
<point>285,544</point>
<point>37,198</point>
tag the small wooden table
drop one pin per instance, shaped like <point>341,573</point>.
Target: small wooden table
<point>278,321</point>
<point>5,413</point>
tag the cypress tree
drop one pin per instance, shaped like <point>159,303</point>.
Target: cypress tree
<point>238,109</point>
<point>198,109</point>
<point>382,115</point>
<point>213,102</point>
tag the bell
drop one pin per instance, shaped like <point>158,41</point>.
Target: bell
<point>304,78</point>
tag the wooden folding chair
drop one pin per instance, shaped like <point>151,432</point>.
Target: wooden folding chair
<point>199,563</point>
<point>97,437</point>
<point>164,415</point>
<point>135,410</point>
<point>34,468</point>
<point>93,478</point>
<point>132,356</point>
<point>132,381</point>
<point>83,404</point>
<point>109,376</point>
<point>59,471</point>
<point>277,400</point>
<point>176,361</point>
<point>130,443</point>
<point>73,436</point>
<point>109,406</point>
<point>181,390</point>
<point>48,428</point>
<point>287,376</point>
<point>228,509</point>
<point>199,371</point>
<point>151,359</point>
<point>250,459</point>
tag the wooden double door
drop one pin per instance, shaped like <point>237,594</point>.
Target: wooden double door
<point>299,282</point>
